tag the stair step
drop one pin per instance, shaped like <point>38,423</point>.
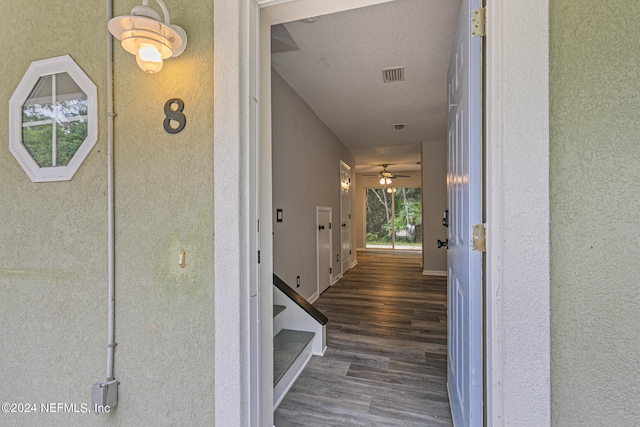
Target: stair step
<point>277,309</point>
<point>287,346</point>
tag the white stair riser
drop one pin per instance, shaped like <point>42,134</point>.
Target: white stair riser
<point>278,322</point>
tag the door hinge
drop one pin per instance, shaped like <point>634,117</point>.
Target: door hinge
<point>258,257</point>
<point>479,233</point>
<point>330,270</point>
<point>329,226</point>
<point>478,22</point>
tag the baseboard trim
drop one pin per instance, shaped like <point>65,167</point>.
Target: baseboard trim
<point>313,298</point>
<point>335,279</point>
<point>354,264</point>
<point>321,354</point>
<point>434,273</point>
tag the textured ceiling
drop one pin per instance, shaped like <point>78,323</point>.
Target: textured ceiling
<point>337,71</point>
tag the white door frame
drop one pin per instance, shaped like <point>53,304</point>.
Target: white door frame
<point>517,182</point>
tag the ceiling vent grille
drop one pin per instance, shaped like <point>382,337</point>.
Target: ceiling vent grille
<point>390,75</point>
<point>399,126</point>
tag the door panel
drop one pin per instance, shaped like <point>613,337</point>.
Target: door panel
<point>464,188</point>
<point>324,249</point>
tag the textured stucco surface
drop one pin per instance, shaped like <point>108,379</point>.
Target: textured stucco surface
<point>595,212</point>
<point>53,251</point>
<point>517,297</point>
<point>306,174</point>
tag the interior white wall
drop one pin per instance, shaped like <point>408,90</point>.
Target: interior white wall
<point>306,174</point>
<point>434,203</point>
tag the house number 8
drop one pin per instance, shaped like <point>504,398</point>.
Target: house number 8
<point>173,113</point>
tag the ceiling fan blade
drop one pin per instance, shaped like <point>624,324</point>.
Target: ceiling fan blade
<point>402,176</point>
<point>371,175</point>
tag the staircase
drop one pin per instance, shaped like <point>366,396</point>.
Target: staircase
<point>298,333</point>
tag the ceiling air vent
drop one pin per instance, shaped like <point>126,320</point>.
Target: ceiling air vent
<point>390,75</point>
<point>400,126</point>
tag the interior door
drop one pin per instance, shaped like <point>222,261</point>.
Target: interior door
<point>324,248</point>
<point>464,181</point>
<point>345,215</point>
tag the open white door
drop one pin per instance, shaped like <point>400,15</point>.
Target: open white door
<point>323,239</point>
<point>345,216</point>
<point>464,181</point>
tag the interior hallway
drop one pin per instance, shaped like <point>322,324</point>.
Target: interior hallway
<point>385,363</point>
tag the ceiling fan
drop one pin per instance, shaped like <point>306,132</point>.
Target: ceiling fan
<point>386,176</point>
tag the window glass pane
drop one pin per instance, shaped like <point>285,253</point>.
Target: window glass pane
<point>37,140</point>
<point>408,218</point>
<point>71,123</point>
<point>38,106</point>
<point>69,138</point>
<point>55,101</point>
<point>379,219</point>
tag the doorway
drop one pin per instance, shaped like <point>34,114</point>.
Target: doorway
<point>394,218</point>
<point>524,78</point>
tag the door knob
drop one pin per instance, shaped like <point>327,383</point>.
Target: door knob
<point>443,244</point>
<point>344,225</point>
<point>321,227</point>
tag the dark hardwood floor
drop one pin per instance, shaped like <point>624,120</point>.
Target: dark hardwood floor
<point>385,364</point>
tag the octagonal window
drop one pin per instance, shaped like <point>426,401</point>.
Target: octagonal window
<point>53,119</point>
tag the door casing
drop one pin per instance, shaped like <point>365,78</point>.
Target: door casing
<point>517,133</point>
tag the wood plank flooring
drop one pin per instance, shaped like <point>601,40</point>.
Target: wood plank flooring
<point>385,364</point>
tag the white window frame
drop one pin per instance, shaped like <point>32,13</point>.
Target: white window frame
<point>37,70</point>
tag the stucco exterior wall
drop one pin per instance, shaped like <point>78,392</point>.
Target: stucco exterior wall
<point>595,212</point>
<point>53,251</point>
<point>306,174</point>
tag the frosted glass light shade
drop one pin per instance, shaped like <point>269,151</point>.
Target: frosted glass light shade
<point>143,35</point>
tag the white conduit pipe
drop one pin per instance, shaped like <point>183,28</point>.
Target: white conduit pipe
<point>111,343</point>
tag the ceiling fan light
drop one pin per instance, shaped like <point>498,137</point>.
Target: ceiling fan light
<point>387,181</point>
<point>382,181</point>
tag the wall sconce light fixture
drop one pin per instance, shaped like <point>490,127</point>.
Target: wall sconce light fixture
<point>143,35</point>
